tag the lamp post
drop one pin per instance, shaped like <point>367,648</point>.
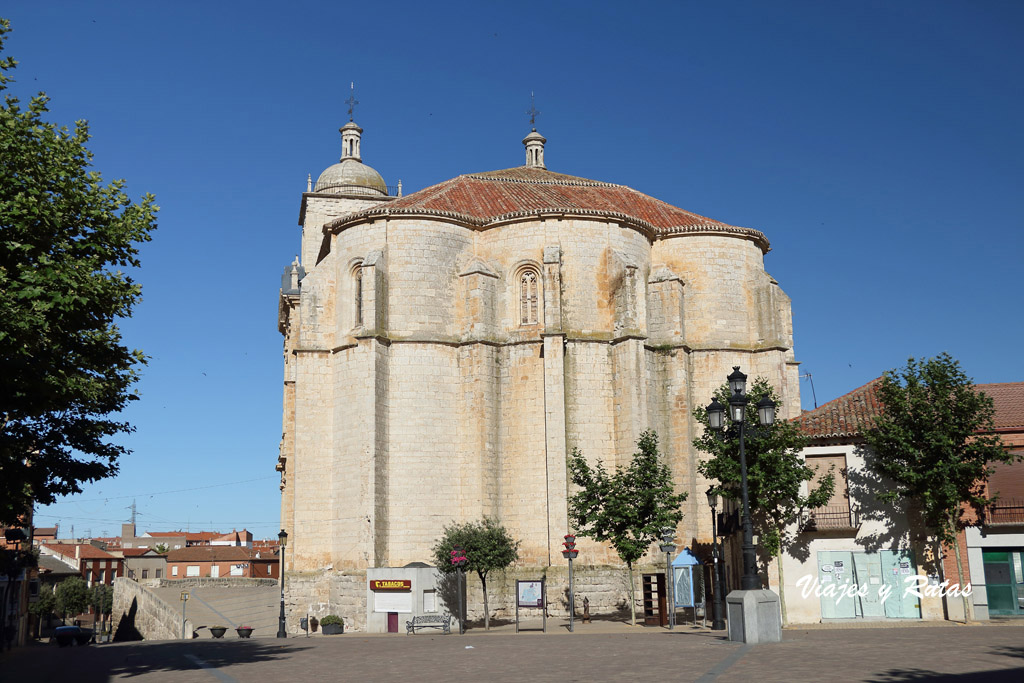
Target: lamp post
<point>717,621</point>
<point>282,539</point>
<point>668,547</point>
<point>570,554</point>
<point>459,561</point>
<point>184,601</point>
<point>737,414</point>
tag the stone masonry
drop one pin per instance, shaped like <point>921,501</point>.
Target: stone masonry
<point>446,350</point>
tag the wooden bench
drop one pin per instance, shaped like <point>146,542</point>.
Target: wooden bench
<point>441,621</point>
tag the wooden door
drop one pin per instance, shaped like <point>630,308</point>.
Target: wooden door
<point>392,622</point>
<point>655,604</point>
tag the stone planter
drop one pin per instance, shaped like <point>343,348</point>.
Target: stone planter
<point>218,631</point>
<point>244,631</point>
<point>332,629</point>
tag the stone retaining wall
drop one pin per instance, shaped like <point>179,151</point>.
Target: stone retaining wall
<point>222,582</point>
<point>145,614</point>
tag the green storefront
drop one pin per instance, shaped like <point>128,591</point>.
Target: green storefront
<point>1004,581</point>
<point>878,579</point>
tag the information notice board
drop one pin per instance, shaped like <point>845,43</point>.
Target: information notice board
<point>531,594</point>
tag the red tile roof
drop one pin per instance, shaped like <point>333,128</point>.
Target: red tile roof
<point>482,199</point>
<point>137,552</point>
<point>842,417</point>
<point>213,553</point>
<point>1009,401</point>
<point>845,416</point>
<point>85,551</point>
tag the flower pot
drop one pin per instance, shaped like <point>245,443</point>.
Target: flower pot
<point>218,631</point>
<point>332,629</point>
<point>244,632</point>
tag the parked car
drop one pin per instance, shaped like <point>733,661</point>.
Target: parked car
<point>72,635</point>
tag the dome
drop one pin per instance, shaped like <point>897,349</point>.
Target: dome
<point>351,177</point>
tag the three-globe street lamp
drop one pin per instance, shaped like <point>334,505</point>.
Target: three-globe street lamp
<point>569,552</point>
<point>668,547</point>
<point>459,561</point>
<point>717,620</point>
<point>716,421</point>
<point>282,539</point>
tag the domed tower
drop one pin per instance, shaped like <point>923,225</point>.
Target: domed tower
<point>345,187</point>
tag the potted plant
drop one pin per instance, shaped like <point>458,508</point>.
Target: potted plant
<point>218,631</point>
<point>332,624</point>
<point>244,631</point>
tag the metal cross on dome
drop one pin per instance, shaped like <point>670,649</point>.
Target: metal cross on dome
<point>351,101</point>
<point>532,111</point>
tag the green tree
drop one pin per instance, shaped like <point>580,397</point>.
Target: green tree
<point>102,600</point>
<point>488,547</point>
<point>160,548</point>
<point>776,472</point>
<point>933,440</point>
<point>627,508</point>
<point>64,235</point>
<point>73,597</point>
<point>43,607</point>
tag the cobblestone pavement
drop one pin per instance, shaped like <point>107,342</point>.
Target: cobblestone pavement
<point>990,653</point>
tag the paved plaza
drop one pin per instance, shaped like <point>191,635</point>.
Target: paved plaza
<point>596,652</point>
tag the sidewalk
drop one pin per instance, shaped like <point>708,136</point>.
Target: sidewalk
<point>610,651</point>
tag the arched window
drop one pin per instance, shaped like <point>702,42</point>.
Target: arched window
<point>357,294</point>
<point>529,297</point>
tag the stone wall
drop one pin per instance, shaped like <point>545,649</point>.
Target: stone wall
<point>144,613</point>
<point>220,582</point>
<point>344,593</point>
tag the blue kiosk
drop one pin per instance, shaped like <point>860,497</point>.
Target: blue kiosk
<point>688,584</point>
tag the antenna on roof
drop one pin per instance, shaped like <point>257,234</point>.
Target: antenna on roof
<point>811,380</point>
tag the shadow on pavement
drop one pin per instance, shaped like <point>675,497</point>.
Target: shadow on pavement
<point>998,676</point>
<point>128,660</point>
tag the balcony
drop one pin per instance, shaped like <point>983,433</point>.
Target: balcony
<point>838,518</point>
<point>1009,512</point>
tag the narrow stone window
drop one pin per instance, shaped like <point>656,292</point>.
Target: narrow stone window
<point>529,299</point>
<point>357,295</point>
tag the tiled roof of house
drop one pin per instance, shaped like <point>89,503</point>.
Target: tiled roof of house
<point>187,535</point>
<point>842,417</point>
<point>44,531</point>
<point>84,551</point>
<point>481,199</point>
<point>1009,401</point>
<point>845,416</point>
<point>212,553</point>
<point>54,567</point>
<point>137,552</point>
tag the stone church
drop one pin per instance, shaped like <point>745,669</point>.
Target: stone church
<point>445,350</point>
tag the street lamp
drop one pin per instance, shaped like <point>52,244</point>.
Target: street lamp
<point>737,413</point>
<point>570,553</point>
<point>459,561</point>
<point>717,621</point>
<point>668,547</point>
<point>282,539</point>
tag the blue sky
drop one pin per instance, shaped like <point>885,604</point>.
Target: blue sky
<point>878,145</point>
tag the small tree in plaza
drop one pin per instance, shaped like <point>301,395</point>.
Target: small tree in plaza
<point>73,597</point>
<point>488,546</point>
<point>776,472</point>
<point>627,508</point>
<point>934,442</point>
